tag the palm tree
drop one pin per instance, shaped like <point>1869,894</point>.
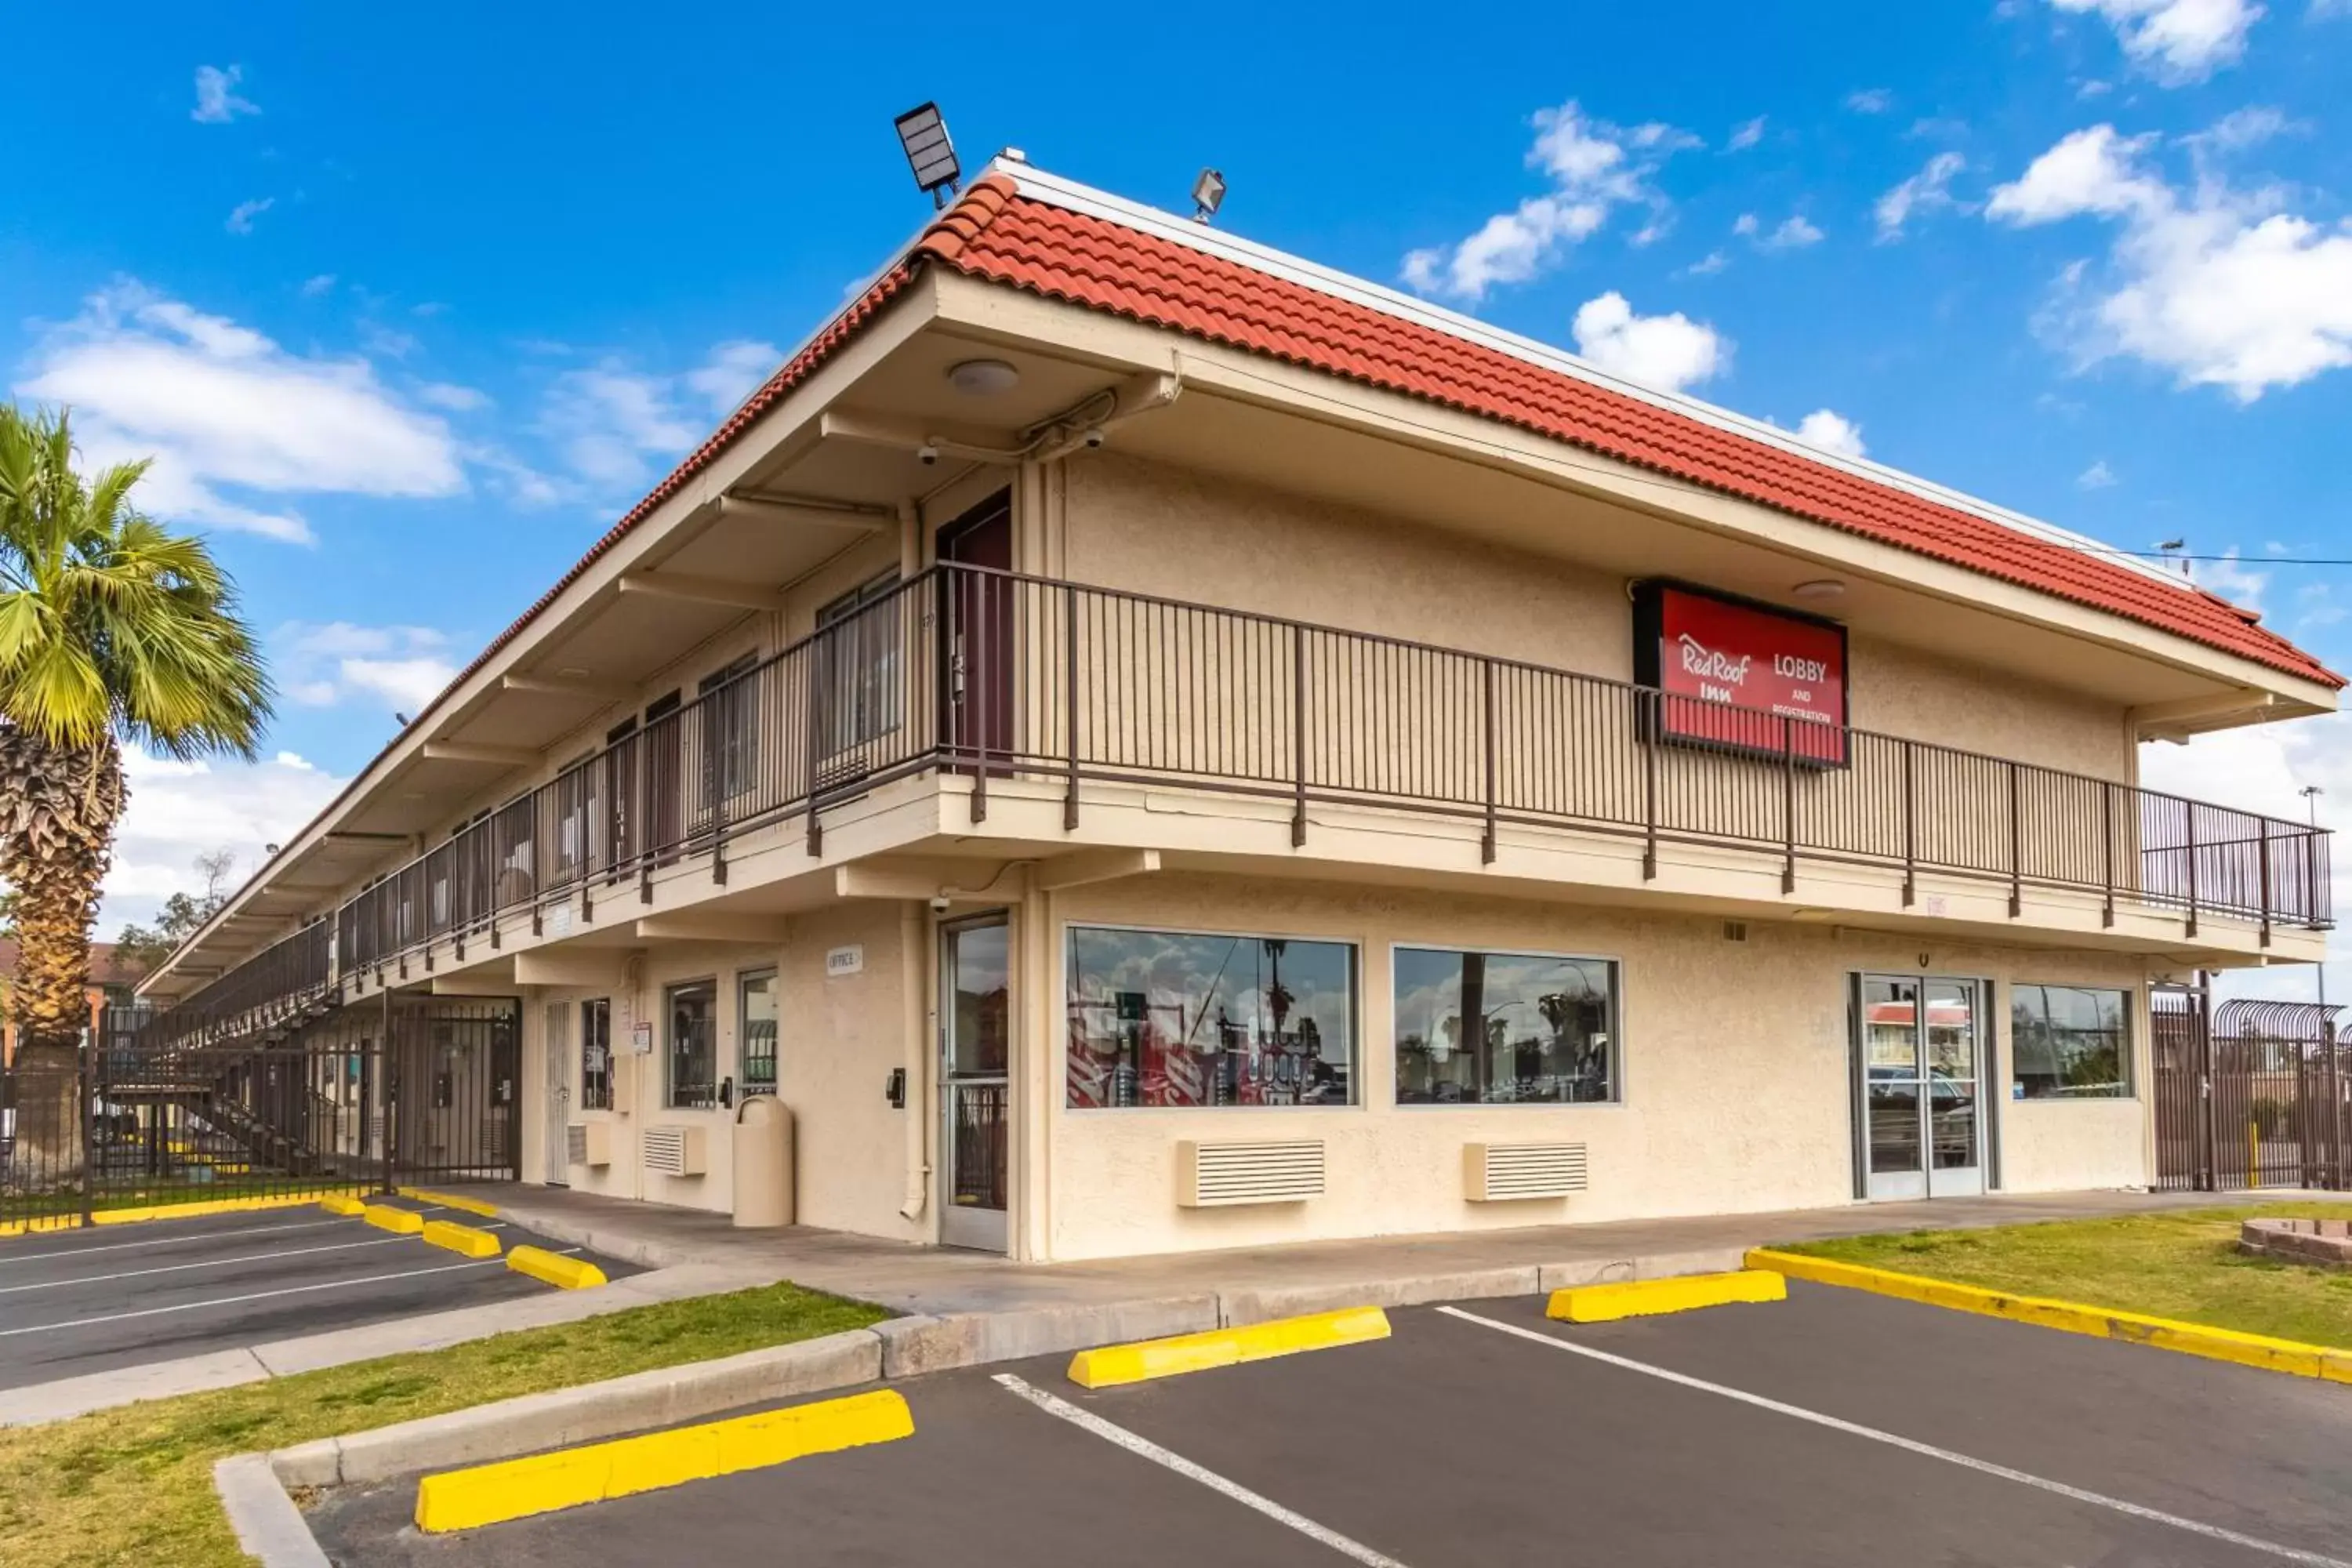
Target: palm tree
<point>112,629</point>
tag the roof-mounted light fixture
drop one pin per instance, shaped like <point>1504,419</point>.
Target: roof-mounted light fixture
<point>1820,588</point>
<point>923,135</point>
<point>1208,195</point>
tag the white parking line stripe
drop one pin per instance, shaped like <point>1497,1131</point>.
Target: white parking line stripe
<point>256,1296</point>
<point>206,1263</point>
<point>48,1256</point>
<point>1087,1420</point>
<point>1912,1444</point>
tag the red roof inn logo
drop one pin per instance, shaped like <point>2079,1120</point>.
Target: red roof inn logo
<point>1740,676</point>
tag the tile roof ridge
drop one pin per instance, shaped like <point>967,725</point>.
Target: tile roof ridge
<point>981,205</point>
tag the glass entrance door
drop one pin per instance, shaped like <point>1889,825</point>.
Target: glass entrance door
<point>975,1100</point>
<point>1920,1055</point>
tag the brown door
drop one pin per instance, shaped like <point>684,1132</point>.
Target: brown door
<point>976,677</point>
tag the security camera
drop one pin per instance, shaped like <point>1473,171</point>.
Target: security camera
<point>927,453</point>
<point>940,903</point>
<point>1094,437</point>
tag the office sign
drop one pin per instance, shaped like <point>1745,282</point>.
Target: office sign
<point>1739,675</point>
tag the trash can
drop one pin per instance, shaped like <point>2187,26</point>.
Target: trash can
<point>763,1163</point>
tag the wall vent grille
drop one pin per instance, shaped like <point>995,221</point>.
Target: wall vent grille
<point>1506,1173</point>
<point>1217,1175</point>
<point>674,1151</point>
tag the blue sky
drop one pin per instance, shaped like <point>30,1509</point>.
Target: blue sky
<point>457,290</point>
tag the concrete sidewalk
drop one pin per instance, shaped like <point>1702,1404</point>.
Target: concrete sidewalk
<point>966,1308</point>
<point>945,1281</point>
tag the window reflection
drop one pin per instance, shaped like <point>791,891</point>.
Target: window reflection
<point>1168,1018</point>
<point>1503,1028</point>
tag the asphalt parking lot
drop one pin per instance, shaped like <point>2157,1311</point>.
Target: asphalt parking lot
<point>113,1296</point>
<point>1835,1428</point>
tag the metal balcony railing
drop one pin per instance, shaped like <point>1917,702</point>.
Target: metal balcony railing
<point>992,675</point>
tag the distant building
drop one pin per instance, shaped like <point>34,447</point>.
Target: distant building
<point>111,982</point>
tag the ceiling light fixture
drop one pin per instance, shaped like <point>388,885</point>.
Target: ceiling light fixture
<point>923,136</point>
<point>1820,588</point>
<point>983,377</point>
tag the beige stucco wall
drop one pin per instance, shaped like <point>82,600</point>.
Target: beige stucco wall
<point>1155,528</point>
<point>1734,1066</point>
<point>838,1038</point>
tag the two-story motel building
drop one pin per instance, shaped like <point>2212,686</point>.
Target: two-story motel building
<point>1091,729</point>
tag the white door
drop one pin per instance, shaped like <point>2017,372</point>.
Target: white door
<point>556,1069</point>
<point>975,1086</point>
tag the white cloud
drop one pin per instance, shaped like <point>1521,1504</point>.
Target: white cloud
<point>1870,99</point>
<point>1831,432</point>
<point>2264,768</point>
<point>1925,191</point>
<point>218,102</point>
<point>1594,168</point>
<point>314,286</point>
<point>2222,288</point>
<point>324,664</point>
<point>1793,233</point>
<point>448,394</point>
<point>241,217</point>
<point>1746,135</point>
<point>733,369</point>
<point>218,404</point>
<point>2175,41</point>
<point>2097,476</point>
<point>1667,351</point>
<point>2229,577</point>
<point>1714,261</point>
<point>181,810</point>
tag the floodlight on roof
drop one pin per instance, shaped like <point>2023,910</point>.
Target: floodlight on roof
<point>923,134</point>
<point>1208,194</point>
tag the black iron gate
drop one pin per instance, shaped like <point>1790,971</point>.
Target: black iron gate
<point>2249,1093</point>
<point>366,1098</point>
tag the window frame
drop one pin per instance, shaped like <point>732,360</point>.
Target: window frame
<point>2128,1053</point>
<point>745,1086</point>
<point>584,1038</point>
<point>1618,1098</point>
<point>1359,1098</point>
<point>670,1100</point>
<point>730,700</point>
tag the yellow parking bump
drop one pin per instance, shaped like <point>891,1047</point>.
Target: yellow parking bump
<point>516,1488</point>
<point>2332,1364</point>
<point>554,1268</point>
<point>348,1205</point>
<point>462,1239</point>
<point>1110,1365</point>
<point>451,1201</point>
<point>1648,1298</point>
<point>400,1222</point>
<point>141,1214</point>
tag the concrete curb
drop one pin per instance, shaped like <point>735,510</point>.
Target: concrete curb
<point>267,1524</point>
<point>2290,1356</point>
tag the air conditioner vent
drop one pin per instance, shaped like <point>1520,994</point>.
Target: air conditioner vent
<point>1217,1175</point>
<point>589,1142</point>
<point>674,1151</point>
<point>1735,931</point>
<point>1506,1173</point>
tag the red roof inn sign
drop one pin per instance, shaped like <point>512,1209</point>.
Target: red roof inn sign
<point>1742,677</point>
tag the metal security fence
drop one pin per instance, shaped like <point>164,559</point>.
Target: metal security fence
<point>990,674</point>
<point>2250,1093</point>
<point>366,1099</point>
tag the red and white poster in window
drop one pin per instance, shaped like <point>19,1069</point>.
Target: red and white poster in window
<point>1741,676</point>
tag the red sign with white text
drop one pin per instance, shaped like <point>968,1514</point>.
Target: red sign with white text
<point>1744,676</point>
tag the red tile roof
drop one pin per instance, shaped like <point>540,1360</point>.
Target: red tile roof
<point>997,234</point>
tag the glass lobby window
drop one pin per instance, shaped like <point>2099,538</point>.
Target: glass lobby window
<point>857,665</point>
<point>596,1055</point>
<point>2068,1042</point>
<point>1504,1029</point>
<point>693,1044</point>
<point>755,996</point>
<point>1168,1018</point>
